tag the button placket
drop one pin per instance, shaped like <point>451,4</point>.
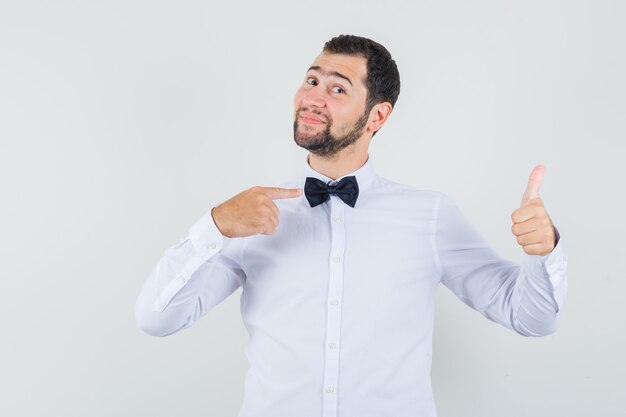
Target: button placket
<point>333,323</point>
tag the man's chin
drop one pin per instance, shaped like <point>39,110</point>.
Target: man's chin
<point>304,140</point>
<point>304,136</point>
<point>308,141</point>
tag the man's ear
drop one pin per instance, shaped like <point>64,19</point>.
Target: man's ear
<point>378,115</point>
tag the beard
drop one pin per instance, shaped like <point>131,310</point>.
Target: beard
<point>324,143</point>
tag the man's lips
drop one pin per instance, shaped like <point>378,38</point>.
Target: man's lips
<point>311,119</point>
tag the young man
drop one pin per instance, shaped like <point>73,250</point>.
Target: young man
<point>339,266</point>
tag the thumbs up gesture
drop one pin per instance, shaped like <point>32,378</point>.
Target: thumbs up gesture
<point>531,223</point>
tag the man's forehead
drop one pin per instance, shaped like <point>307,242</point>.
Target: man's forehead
<point>353,67</point>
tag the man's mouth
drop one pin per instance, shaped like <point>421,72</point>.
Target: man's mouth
<point>311,119</point>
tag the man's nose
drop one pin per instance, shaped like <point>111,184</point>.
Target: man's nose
<point>314,97</point>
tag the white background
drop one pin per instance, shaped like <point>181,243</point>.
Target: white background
<point>122,122</point>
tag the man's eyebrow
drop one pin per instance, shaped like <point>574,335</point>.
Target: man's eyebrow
<point>330,73</point>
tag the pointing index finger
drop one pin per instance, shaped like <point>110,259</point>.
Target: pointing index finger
<point>277,192</point>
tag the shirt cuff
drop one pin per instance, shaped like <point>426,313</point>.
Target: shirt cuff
<point>552,265</point>
<point>205,236</point>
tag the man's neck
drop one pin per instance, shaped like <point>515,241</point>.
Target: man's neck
<point>340,164</point>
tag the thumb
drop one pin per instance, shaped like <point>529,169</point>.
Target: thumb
<point>277,192</point>
<point>534,181</point>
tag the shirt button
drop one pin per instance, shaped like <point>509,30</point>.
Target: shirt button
<point>337,219</point>
<point>330,389</point>
<point>332,345</point>
<point>336,258</point>
<point>211,245</point>
<point>334,302</point>
<point>539,264</point>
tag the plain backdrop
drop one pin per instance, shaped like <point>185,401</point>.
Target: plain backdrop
<point>122,122</point>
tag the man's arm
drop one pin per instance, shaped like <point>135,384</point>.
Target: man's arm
<point>203,269</point>
<point>190,279</point>
<point>525,297</point>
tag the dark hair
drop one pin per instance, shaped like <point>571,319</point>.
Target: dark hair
<point>383,78</point>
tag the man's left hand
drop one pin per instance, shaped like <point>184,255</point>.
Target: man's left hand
<point>531,223</point>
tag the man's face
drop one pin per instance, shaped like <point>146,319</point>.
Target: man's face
<point>329,106</point>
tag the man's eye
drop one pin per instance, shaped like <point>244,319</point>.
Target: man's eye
<point>341,90</point>
<point>309,79</point>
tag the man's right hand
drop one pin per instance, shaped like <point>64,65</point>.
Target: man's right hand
<point>251,212</point>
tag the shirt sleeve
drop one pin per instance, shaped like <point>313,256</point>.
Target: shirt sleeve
<point>191,278</point>
<point>524,297</point>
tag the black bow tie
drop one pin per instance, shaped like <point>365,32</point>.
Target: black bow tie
<point>317,191</point>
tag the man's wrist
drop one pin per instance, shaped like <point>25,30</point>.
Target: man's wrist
<point>213,215</point>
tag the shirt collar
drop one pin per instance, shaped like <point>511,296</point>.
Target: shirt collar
<point>365,175</point>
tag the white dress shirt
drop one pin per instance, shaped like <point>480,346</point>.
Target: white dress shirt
<point>339,301</point>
